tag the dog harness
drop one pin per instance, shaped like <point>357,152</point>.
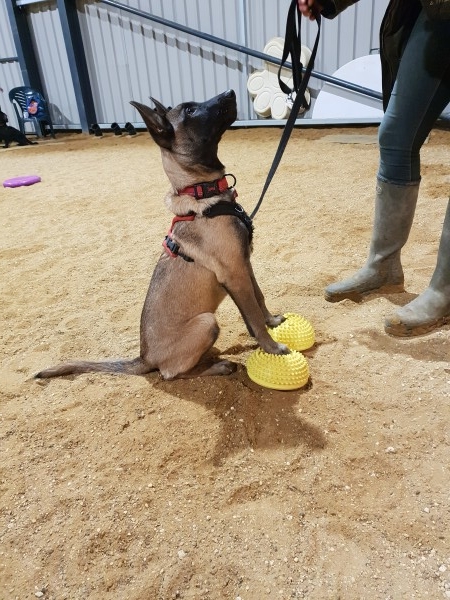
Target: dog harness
<point>208,189</point>
<point>171,247</point>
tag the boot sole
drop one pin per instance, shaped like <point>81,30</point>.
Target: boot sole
<point>403,330</point>
<point>356,296</point>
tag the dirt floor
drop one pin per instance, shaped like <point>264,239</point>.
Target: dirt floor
<point>134,488</point>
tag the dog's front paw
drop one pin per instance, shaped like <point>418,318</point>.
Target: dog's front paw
<point>283,349</point>
<point>275,348</point>
<point>275,320</point>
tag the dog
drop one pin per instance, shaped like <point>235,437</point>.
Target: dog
<point>10,134</point>
<point>206,252</point>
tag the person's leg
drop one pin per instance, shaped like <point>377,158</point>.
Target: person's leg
<point>420,94</point>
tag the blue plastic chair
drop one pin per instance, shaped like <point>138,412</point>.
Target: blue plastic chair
<point>20,98</point>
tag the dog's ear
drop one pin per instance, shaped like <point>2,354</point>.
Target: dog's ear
<point>160,108</point>
<point>157,124</point>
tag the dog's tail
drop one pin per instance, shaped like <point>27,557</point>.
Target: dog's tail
<point>26,142</point>
<point>136,366</point>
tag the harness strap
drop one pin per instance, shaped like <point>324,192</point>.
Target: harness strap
<point>171,247</point>
<point>232,209</point>
<point>222,207</point>
<point>291,45</point>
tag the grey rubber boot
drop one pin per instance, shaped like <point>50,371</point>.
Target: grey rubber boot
<point>394,213</point>
<point>431,308</point>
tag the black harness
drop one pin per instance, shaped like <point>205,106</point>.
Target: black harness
<point>233,209</point>
<point>220,208</point>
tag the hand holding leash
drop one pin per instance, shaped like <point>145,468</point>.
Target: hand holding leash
<point>309,8</point>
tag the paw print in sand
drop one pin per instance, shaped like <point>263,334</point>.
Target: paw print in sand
<point>269,100</point>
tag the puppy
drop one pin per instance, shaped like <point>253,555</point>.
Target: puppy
<point>206,252</point>
<point>10,134</point>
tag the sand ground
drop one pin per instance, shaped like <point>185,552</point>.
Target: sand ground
<point>134,488</point>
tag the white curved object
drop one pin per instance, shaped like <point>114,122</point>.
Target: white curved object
<point>268,98</point>
<point>336,102</point>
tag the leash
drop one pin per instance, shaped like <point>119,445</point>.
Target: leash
<point>292,46</point>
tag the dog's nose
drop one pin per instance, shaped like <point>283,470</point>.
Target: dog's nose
<point>229,94</point>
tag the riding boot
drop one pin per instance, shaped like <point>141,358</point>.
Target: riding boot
<point>394,212</point>
<point>431,308</point>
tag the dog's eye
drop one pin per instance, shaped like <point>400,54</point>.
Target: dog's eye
<point>189,110</point>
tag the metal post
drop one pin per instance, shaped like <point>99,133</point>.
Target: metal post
<point>77,62</point>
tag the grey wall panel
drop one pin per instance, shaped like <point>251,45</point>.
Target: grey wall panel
<point>10,74</point>
<point>6,39</point>
<point>133,58</point>
<point>130,57</point>
<point>48,40</point>
<point>10,77</point>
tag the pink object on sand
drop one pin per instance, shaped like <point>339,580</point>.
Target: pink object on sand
<point>22,180</point>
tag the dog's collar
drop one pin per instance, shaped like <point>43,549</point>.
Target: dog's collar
<point>208,189</point>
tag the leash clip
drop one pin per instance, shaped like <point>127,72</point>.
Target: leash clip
<point>171,247</point>
<point>290,100</point>
<point>234,182</point>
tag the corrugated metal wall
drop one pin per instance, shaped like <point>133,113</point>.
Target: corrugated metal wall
<point>10,74</point>
<point>130,57</point>
<point>48,41</point>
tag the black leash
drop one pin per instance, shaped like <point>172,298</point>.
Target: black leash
<point>292,46</point>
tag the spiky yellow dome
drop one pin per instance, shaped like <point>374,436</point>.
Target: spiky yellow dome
<point>278,371</point>
<point>296,332</point>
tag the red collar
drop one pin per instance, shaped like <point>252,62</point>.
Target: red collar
<point>208,189</point>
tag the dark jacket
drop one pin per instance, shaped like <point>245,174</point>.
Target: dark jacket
<point>396,27</point>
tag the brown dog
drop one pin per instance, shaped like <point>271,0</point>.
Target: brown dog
<point>207,252</point>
